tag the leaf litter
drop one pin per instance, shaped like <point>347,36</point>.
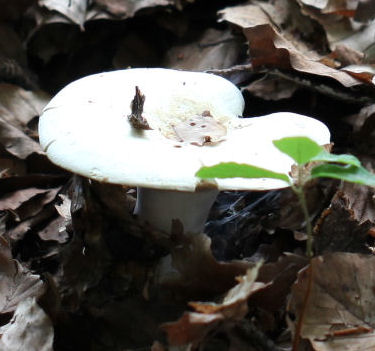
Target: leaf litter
<point>78,270</point>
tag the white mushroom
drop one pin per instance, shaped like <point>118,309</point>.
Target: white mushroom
<point>194,122</point>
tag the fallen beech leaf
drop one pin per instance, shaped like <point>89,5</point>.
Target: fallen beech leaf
<point>10,167</point>
<point>269,47</point>
<point>272,88</point>
<point>75,10</point>
<point>364,73</point>
<point>332,6</point>
<point>336,296</point>
<point>16,283</point>
<point>30,329</point>
<point>16,142</point>
<point>18,232</point>
<point>215,49</point>
<point>282,274</point>
<point>234,303</point>
<point>336,18</point>
<point>192,271</point>
<point>127,8</point>
<point>27,203</point>
<point>55,231</point>
<point>20,106</point>
<point>200,130</point>
<point>12,201</point>
<point>192,327</point>
<point>345,224</point>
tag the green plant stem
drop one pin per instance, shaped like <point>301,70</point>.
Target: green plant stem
<point>298,190</point>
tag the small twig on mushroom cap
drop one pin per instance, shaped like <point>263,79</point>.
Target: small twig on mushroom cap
<point>135,118</point>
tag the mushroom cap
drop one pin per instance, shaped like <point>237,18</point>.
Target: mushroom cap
<point>85,129</point>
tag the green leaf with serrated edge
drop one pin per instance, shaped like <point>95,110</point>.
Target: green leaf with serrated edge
<point>300,149</point>
<point>238,170</point>
<point>348,173</point>
<point>325,156</point>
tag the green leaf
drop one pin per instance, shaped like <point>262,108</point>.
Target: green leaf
<point>300,149</point>
<point>344,159</point>
<point>234,170</point>
<point>349,173</point>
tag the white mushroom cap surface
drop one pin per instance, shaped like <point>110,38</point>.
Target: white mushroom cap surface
<point>85,129</point>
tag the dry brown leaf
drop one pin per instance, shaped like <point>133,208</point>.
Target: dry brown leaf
<point>16,142</point>
<point>55,231</point>
<point>270,48</point>
<point>13,200</point>
<point>16,283</point>
<point>81,11</point>
<point>336,17</point>
<point>200,130</point>
<point>75,10</point>
<point>30,329</point>
<point>127,8</point>
<point>363,124</point>
<point>192,327</point>
<point>215,49</point>
<point>282,275</point>
<point>336,296</point>
<point>272,88</point>
<point>10,167</point>
<point>27,203</point>
<point>192,271</point>
<point>344,226</point>
<point>19,106</point>
<point>331,6</point>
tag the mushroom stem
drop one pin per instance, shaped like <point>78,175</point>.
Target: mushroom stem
<point>160,207</point>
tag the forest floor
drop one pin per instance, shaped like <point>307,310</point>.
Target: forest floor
<point>79,272</point>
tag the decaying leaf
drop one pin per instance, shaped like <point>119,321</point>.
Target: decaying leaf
<point>345,225</point>
<point>269,46</point>
<point>333,302</point>
<point>272,88</point>
<point>282,275</point>
<point>27,202</point>
<point>192,327</point>
<point>341,24</point>
<point>127,8</point>
<point>192,271</point>
<point>75,10</point>
<point>16,282</point>
<point>200,130</point>
<point>215,50</point>
<point>17,142</point>
<point>19,106</point>
<point>30,329</point>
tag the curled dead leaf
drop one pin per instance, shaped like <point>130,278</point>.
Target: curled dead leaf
<point>332,302</point>
<point>193,327</point>
<point>30,329</point>
<point>269,47</point>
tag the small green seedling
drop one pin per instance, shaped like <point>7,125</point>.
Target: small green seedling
<point>303,151</point>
